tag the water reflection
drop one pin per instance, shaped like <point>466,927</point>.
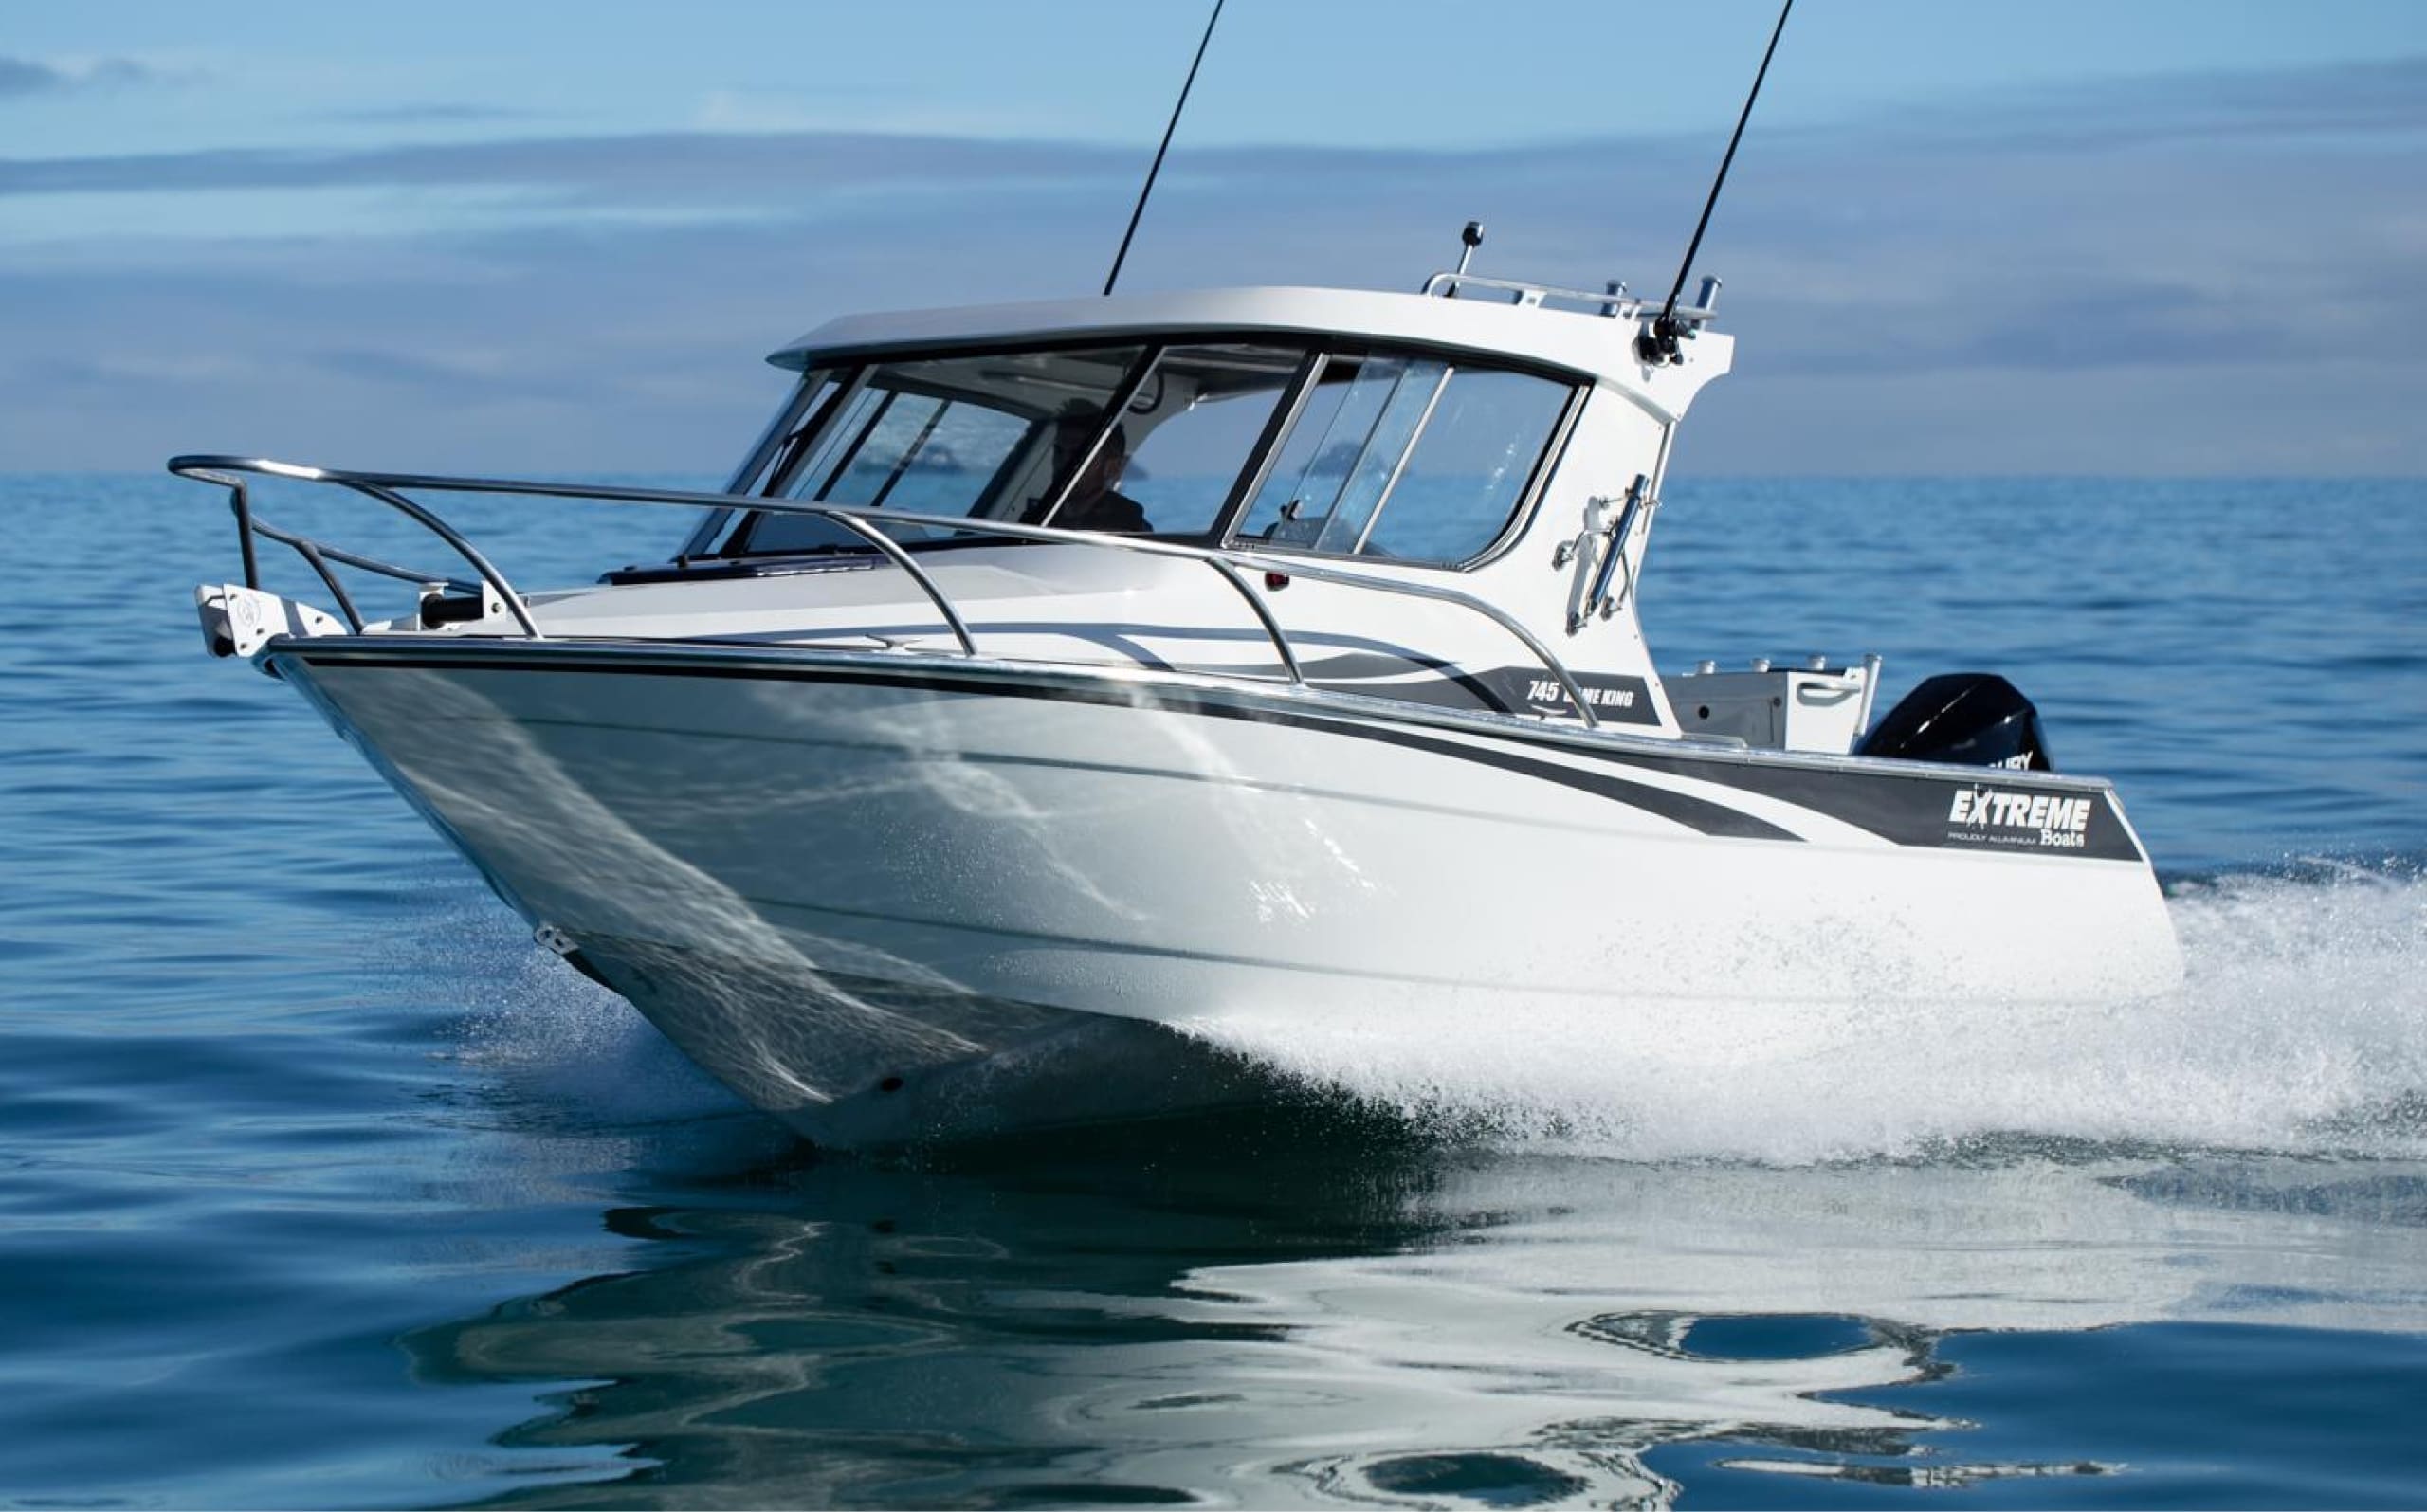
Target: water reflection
<point>1331,1317</point>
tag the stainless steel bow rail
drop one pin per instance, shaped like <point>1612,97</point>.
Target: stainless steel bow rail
<point>867,524</point>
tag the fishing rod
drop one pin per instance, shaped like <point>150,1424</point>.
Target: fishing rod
<point>1658,344</point>
<point>1117,258</point>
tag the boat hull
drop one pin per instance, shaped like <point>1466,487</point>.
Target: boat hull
<point>893,898</point>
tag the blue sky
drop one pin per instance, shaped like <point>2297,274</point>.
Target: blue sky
<point>1977,237</point>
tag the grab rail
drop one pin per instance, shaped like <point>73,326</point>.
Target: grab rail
<point>1613,300</point>
<point>867,524</point>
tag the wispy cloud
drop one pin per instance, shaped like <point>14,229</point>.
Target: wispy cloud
<point>435,112</point>
<point>2384,97</point>
<point>2225,273</point>
<point>28,76</point>
<point>754,150</point>
<point>693,165</point>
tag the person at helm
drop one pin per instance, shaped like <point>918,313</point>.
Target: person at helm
<point>1094,500</point>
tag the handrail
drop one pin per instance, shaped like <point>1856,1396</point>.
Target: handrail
<point>214,469</point>
<point>1615,302</point>
<point>867,524</point>
<point>901,559</point>
<point>465,549</point>
<point>338,554</point>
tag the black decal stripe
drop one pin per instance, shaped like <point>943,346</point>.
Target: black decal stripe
<point>1695,813</point>
<point>1904,807</point>
<point>1700,814</point>
<point>1000,758</point>
<point>1908,808</point>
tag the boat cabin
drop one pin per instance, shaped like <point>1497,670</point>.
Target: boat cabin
<point>1496,441</point>
<point>1381,426</point>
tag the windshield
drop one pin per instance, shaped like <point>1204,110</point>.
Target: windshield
<point>1127,438</point>
<point>1418,457</point>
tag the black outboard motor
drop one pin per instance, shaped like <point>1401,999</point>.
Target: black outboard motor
<point>1971,719</point>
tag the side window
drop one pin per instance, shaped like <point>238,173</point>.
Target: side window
<point>1469,469</point>
<point>1339,457</point>
<point>1410,457</point>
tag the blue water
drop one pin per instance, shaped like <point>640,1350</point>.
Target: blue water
<point>319,1185</point>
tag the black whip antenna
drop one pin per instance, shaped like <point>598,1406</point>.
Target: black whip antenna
<point>1659,344</point>
<point>1123,256</point>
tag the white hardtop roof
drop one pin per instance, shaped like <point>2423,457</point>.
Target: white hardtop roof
<point>1590,345</point>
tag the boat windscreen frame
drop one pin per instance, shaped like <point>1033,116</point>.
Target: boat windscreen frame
<point>835,381</point>
<point>776,440</point>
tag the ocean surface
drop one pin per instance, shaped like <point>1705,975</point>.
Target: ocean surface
<point>322,1186</point>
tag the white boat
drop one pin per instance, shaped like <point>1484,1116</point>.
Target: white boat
<point>1054,677</point>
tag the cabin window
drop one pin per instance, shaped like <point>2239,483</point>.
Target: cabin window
<point>1344,452</point>
<point>1468,471</point>
<point>1101,438</point>
<point>962,435</point>
<point>1405,455</point>
<point>1170,463</point>
<point>1416,459</point>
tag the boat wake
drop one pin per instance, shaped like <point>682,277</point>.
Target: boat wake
<point>2300,1027</point>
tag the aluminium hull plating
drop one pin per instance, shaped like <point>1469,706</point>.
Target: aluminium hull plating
<point>892,897</point>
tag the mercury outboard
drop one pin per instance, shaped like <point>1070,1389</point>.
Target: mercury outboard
<point>1970,719</point>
